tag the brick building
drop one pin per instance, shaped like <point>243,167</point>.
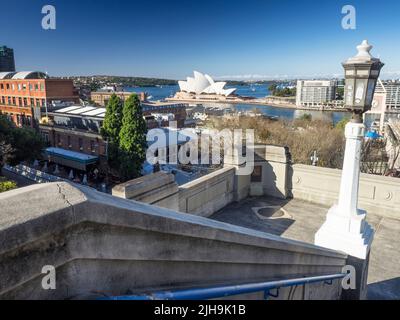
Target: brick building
<point>101,98</point>
<point>26,96</point>
<point>75,129</point>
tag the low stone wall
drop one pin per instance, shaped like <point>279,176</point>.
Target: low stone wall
<point>208,194</point>
<point>378,194</point>
<point>158,189</point>
<point>202,197</point>
<point>103,245</point>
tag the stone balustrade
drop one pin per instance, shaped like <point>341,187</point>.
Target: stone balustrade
<point>104,245</point>
<point>377,194</point>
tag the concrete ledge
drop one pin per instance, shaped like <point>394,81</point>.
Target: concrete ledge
<point>106,244</point>
<point>377,194</point>
<point>208,194</point>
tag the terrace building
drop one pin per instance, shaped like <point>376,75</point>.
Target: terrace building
<point>25,96</point>
<point>101,98</point>
<point>72,133</point>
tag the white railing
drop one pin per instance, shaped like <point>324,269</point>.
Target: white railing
<point>32,174</point>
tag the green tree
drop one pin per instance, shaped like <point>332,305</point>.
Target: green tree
<point>27,143</point>
<point>306,117</point>
<point>341,125</point>
<point>272,88</point>
<point>110,131</point>
<point>18,144</point>
<point>132,143</point>
<point>340,93</point>
<point>6,185</point>
<point>113,119</point>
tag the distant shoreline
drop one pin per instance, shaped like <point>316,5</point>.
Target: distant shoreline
<point>255,103</point>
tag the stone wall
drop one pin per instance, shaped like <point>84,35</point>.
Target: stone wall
<point>212,192</point>
<point>208,194</point>
<point>158,189</point>
<point>378,194</point>
<point>275,164</point>
<point>103,245</point>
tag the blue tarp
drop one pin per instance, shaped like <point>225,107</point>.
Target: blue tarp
<point>373,135</point>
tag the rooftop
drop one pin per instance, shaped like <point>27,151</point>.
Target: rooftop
<point>300,220</point>
<point>88,111</point>
<point>23,75</point>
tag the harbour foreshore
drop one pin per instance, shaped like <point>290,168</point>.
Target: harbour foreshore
<point>258,102</point>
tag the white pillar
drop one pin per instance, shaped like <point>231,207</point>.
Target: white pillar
<point>345,228</point>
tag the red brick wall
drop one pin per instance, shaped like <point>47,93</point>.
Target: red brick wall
<point>18,96</point>
<point>60,89</point>
<point>62,142</point>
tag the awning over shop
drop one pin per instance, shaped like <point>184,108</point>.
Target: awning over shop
<point>70,158</point>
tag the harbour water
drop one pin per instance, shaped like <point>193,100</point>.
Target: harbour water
<point>251,90</point>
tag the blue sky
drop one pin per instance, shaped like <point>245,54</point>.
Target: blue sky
<point>227,39</point>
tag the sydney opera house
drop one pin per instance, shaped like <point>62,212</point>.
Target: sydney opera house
<point>204,85</point>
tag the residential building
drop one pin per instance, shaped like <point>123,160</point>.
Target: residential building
<point>392,91</point>
<point>7,62</point>
<point>26,96</point>
<point>315,93</point>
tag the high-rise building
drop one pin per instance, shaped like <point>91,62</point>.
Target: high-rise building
<point>7,62</point>
<point>315,92</point>
<point>392,91</point>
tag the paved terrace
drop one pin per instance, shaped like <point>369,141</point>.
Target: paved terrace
<point>300,220</point>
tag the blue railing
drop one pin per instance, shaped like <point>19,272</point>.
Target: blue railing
<point>227,291</point>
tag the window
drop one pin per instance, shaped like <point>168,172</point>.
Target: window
<point>256,176</point>
<point>92,146</point>
<point>80,144</point>
<point>45,136</point>
<point>58,139</point>
<point>69,142</point>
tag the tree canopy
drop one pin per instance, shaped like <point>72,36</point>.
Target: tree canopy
<point>132,138</point>
<point>18,144</point>
<point>113,119</point>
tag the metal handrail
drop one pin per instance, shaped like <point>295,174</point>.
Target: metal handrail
<point>226,291</point>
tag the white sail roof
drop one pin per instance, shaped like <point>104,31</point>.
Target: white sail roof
<point>203,83</point>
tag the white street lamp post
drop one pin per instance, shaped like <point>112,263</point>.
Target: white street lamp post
<point>345,228</point>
